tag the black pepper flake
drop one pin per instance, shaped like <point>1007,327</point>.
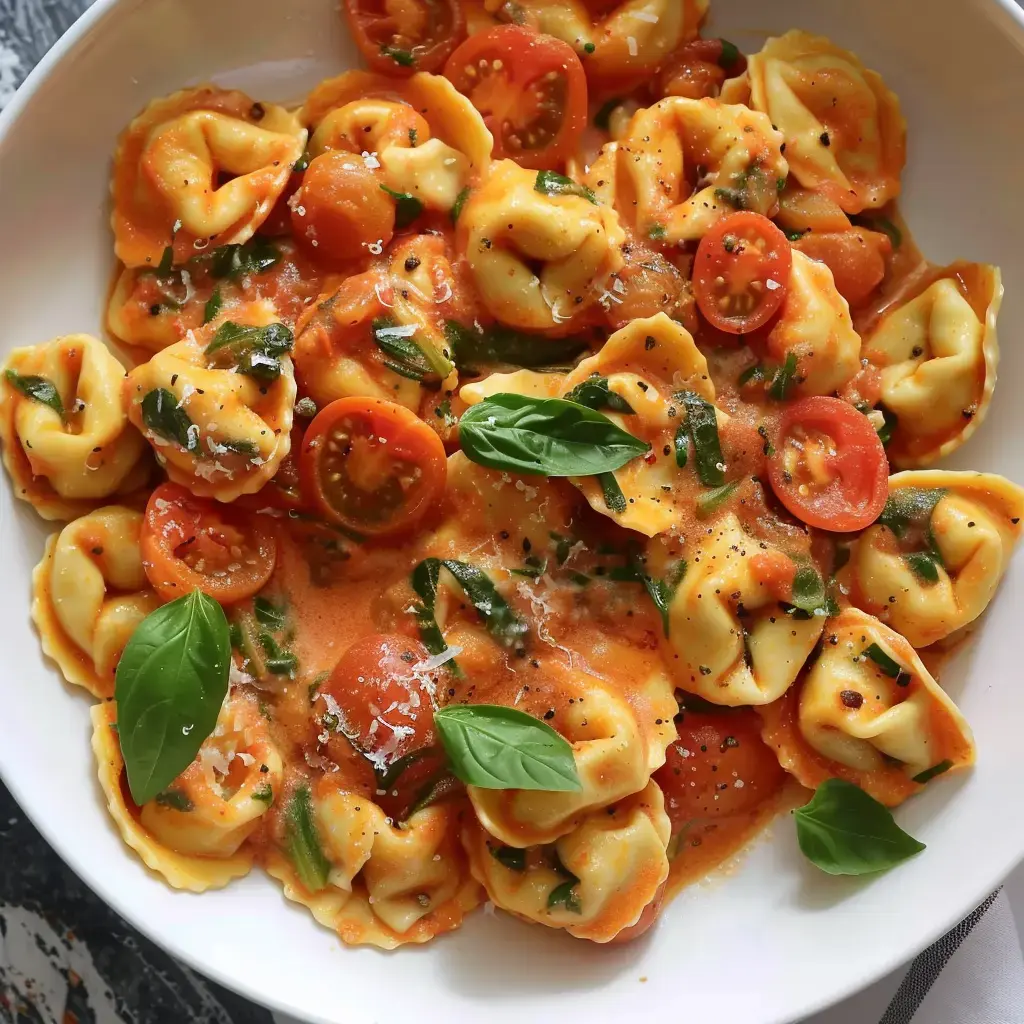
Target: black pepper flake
<point>851,698</point>
<point>549,714</point>
<point>412,263</point>
<point>97,551</point>
<point>257,112</point>
<point>824,139</point>
<point>174,379</point>
<point>649,343</point>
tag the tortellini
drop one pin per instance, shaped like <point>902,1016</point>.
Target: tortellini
<point>428,140</point>
<point>218,416</point>
<point>381,334</point>
<point>67,442</point>
<point>844,132</point>
<point>388,885</point>
<point>938,356</point>
<point>869,712</point>
<point>685,164</point>
<point>218,801</point>
<point>594,882</point>
<point>181,870</point>
<point>956,533</point>
<point>733,642</point>
<point>645,364</point>
<point>89,593</point>
<point>170,167</point>
<point>539,261</point>
<point>815,326</point>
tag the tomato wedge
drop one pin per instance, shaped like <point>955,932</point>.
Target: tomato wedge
<point>698,68</point>
<point>191,543</point>
<point>741,272</point>
<point>829,468</point>
<point>371,466</point>
<point>401,37</point>
<point>530,89</point>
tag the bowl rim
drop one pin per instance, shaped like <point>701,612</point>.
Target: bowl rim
<point>1009,15</point>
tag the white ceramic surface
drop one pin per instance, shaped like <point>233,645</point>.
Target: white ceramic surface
<point>776,939</point>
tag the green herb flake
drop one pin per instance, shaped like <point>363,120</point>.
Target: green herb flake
<point>268,614</point>
<point>702,423</point>
<point>882,224</point>
<point>768,449</point>
<point>886,429</point>
<point>164,417</point>
<point>783,379</point>
<point>910,507</point>
<point>175,799</point>
<point>460,202</point>
<point>681,445</point>
<point>407,206</point>
<point>565,895</point>
<point>404,58</point>
<point>240,259</point>
<point>39,389</point>
<point>596,393</point>
<point>255,351</point>
<point>614,499</point>
<point>213,306</point>
<point>930,773</point>
<point>709,502</point>
<point>404,355</point>
<point>264,793</point>
<point>924,565</point>
<point>657,232</point>
<point>551,183</point>
<point>888,665</point>
<point>509,856</point>
<point>302,841</point>
<point>499,345</point>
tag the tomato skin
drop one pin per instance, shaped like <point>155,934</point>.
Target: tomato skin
<point>754,258</point>
<point>351,434</point>
<point>647,918</point>
<point>854,459</point>
<point>508,95</point>
<point>695,70</point>
<point>180,529</point>
<point>698,777</point>
<point>373,29</point>
<point>857,258</point>
<point>340,209</point>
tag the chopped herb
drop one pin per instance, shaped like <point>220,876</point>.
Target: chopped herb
<point>681,444</point>
<point>767,448</point>
<point>174,799</point>
<point>460,202</point>
<point>795,235</point>
<point>755,374</point>
<point>595,393</point>
<point>565,895</point>
<point>256,351</point>
<point>407,206</point>
<point>264,793</point>
<point>657,232</point>
<point>930,773</point>
<point>166,264</point>
<point>703,426</point>
<point>499,345</point>
<point>162,415</point>
<point>314,687</point>
<point>551,183</point>
<point>405,356</point>
<point>412,136</point>
<point>888,665</point>
<point>660,591</point>
<point>268,614</point>
<point>302,164</point>
<point>280,661</point>
<point>924,565</point>
<point>303,842</point>
<point>910,507</point>
<point>39,389</point>
<point>240,260</point>
<point>510,857</point>
<point>782,381</point>
<point>403,58</point>
<point>614,499</point>
<point>888,426</point>
<point>809,592</point>
<point>709,502</point>
<point>213,306</point>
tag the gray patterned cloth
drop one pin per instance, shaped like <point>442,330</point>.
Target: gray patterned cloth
<point>65,957</point>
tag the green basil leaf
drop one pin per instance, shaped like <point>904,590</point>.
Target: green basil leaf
<point>707,449</point>
<point>424,581</point>
<point>241,260</point>
<point>256,351</point>
<point>302,841</point>
<point>268,614</point>
<point>166,264</point>
<point>752,375</point>
<point>407,206</point>
<point>551,183</point>
<point>910,507</point>
<point>406,356</point>
<point>890,421</point>
<point>39,389</point>
<point>844,831</point>
<point>302,164</point>
<point>729,56</point>
<point>460,201</point>
<point>175,800</point>
<point>614,499</point>
<point>924,565</point>
<point>162,414</point>
<point>882,224</point>
<point>545,436</point>
<point>889,665</point>
<point>809,594</point>
<point>501,620</point>
<point>796,235</point>
<point>930,773</point>
<point>768,449</point>
<point>660,592</point>
<point>509,856</point>
<point>499,345</point>
<point>783,380</point>
<point>603,117</point>
<point>279,661</point>
<point>496,747</point>
<point>264,793</point>
<point>565,895</point>
<point>169,686</point>
<point>681,444</point>
<point>709,502</point>
<point>213,306</point>
<point>386,779</point>
<point>596,393</point>
<point>404,58</point>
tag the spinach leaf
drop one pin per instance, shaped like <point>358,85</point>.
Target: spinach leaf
<point>405,356</point>
<point>264,793</point>
<point>910,507</point>
<point>545,436</point>
<point>279,660</point>
<point>169,686</point>
<point>499,345</point>
<point>707,449</point>
<point>39,389</point>
<point>844,831</point>
<point>501,620</point>
<point>404,58</point>
<point>162,414</point>
<point>424,581</point>
<point>681,445</point>
<point>496,747</point>
<point>256,351</point>
<point>809,592</point>
<point>551,183</point>
<point>924,565</point>
<point>595,393</point>
<point>302,841</point>
<point>407,206</point>
<point>240,260</point>
<point>882,224</point>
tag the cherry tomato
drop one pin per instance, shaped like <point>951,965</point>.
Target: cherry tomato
<point>717,767</point>
<point>699,67</point>
<point>530,89</point>
<point>191,543</point>
<point>372,466</point>
<point>829,468</point>
<point>741,272</point>
<point>340,209</point>
<point>650,284</point>
<point>282,491</point>
<point>857,258</point>
<point>647,917</point>
<point>401,37</point>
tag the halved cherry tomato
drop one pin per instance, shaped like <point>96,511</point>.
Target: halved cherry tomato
<point>829,468</point>
<point>856,257</point>
<point>191,543</point>
<point>371,466</point>
<point>401,37</point>
<point>698,68</point>
<point>530,89</point>
<point>718,766</point>
<point>741,272</point>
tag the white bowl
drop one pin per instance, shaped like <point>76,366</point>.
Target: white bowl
<point>776,939</point>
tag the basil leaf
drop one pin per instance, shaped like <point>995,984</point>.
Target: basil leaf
<point>268,614</point>
<point>495,747</point>
<point>441,785</point>
<point>264,793</point>
<point>910,507</point>
<point>545,436</point>
<point>707,449</point>
<point>302,841</point>
<point>890,421</point>
<point>603,117</point>
<point>302,164</point>
<point>889,666</point>
<point>565,895</point>
<point>403,58</point>
<point>924,565</point>
<point>596,393</point>
<point>660,592</point>
<point>240,260</point>
<point>844,831</point>
<point>162,414</point>
<point>809,593</point>
<point>509,856</point>
<point>406,356</point>
<point>39,389</point>
<point>386,779</point>
<point>256,351</point>
<point>166,264</point>
<point>175,800</point>
<point>614,499</point>
<point>709,502</point>
<point>424,581</point>
<point>213,306</point>
<point>782,381</point>
<point>501,345</point>
<point>930,773</point>
<point>729,56</point>
<point>752,375</point>
<point>169,687</point>
<point>460,201</point>
<point>237,447</point>
<point>502,622</point>
<point>407,206</point>
<point>882,224</point>
<point>279,661</point>
<point>551,183</point>
<point>681,444</point>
